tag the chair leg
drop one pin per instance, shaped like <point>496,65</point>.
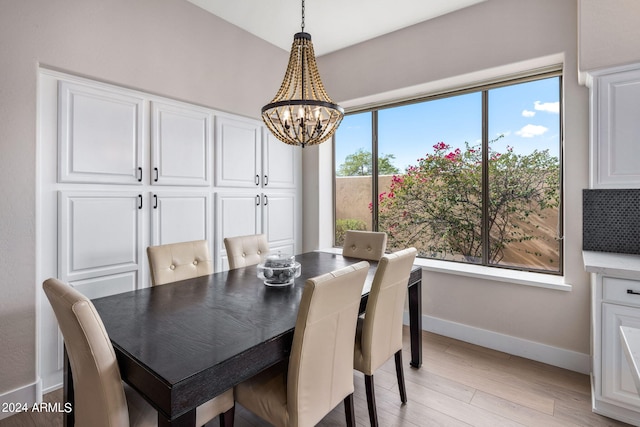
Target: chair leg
<point>400,375</point>
<point>226,418</point>
<point>349,411</point>
<point>371,400</point>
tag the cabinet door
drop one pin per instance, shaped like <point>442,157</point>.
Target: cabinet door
<point>180,217</point>
<point>238,152</point>
<point>615,150</point>
<point>279,219</point>
<point>181,144</point>
<point>100,240</point>
<point>281,162</point>
<point>236,215</point>
<point>617,382</point>
<point>101,134</point>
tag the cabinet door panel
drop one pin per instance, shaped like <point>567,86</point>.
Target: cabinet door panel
<point>238,153</point>
<point>100,234</point>
<point>617,382</point>
<point>101,134</point>
<point>615,129</point>
<point>280,163</point>
<point>236,215</point>
<point>181,145</point>
<point>98,287</point>
<point>279,218</point>
<point>180,218</point>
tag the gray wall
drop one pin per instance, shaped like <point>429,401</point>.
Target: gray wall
<point>166,47</point>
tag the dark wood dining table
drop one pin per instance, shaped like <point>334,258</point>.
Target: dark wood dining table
<point>182,343</point>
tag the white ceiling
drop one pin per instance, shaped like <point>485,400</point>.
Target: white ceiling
<point>333,24</point>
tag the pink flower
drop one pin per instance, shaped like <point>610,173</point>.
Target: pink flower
<point>440,146</point>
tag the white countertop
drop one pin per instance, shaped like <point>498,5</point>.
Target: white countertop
<point>613,264</point>
<point>630,338</point>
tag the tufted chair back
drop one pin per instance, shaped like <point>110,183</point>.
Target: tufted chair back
<point>320,370</point>
<point>368,245</point>
<point>101,398</point>
<point>179,261</point>
<point>246,250</point>
<point>99,394</point>
<point>379,334</point>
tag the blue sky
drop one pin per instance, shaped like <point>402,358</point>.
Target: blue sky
<point>527,114</point>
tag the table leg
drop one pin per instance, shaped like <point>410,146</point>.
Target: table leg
<point>68,419</point>
<point>415,323</point>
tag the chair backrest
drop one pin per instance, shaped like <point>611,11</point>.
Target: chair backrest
<point>382,326</point>
<point>98,390</point>
<point>320,372</point>
<point>246,250</point>
<point>364,244</point>
<point>179,261</point>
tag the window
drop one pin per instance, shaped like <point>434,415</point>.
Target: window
<point>472,176</point>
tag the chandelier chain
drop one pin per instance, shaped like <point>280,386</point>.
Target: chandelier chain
<point>303,16</point>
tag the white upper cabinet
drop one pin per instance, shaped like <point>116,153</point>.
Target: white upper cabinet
<point>101,134</point>
<point>238,152</point>
<point>181,144</point>
<point>615,127</point>
<point>249,156</point>
<point>280,162</point>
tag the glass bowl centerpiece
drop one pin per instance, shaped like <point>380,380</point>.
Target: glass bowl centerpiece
<point>279,269</point>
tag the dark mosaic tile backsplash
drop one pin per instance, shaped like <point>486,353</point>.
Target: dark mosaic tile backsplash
<point>611,220</point>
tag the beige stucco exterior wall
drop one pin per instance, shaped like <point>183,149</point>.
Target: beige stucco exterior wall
<point>166,47</point>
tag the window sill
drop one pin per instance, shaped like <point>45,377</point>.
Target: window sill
<point>526,278</point>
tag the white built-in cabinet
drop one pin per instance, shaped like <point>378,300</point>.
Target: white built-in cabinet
<point>121,170</point>
<point>615,302</point>
<point>256,176</point>
<point>181,145</point>
<point>615,127</point>
<point>100,135</point>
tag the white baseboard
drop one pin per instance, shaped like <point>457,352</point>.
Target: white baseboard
<point>28,395</point>
<point>556,356</point>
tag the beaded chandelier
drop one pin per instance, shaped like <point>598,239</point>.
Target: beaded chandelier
<point>301,112</point>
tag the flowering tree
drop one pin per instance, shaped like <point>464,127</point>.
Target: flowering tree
<point>436,205</point>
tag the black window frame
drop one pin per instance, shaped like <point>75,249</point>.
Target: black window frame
<point>540,74</point>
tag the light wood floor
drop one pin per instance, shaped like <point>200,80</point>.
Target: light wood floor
<point>459,384</point>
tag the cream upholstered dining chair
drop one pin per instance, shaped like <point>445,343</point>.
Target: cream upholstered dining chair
<point>319,373</point>
<point>368,245</point>
<point>101,398</point>
<point>379,333</point>
<point>247,250</point>
<point>179,261</point>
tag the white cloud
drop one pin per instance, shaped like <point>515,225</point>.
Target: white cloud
<point>529,131</point>
<point>550,107</point>
<point>527,113</point>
